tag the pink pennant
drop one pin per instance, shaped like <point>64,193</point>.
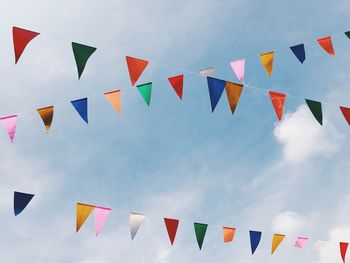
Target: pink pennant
<point>10,125</point>
<point>238,68</point>
<point>301,242</point>
<point>101,214</point>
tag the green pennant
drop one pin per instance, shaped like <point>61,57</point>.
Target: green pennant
<point>200,230</point>
<point>316,109</point>
<point>81,54</point>
<point>146,91</point>
<point>347,33</point>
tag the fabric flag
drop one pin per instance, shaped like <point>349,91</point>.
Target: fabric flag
<point>101,214</point>
<point>146,91</point>
<point>216,87</point>
<point>114,98</point>
<point>136,220</point>
<point>200,230</point>
<point>299,52</point>
<point>343,249</point>
<point>171,226</point>
<point>21,38</point>
<point>267,61</point>
<point>255,237</point>
<point>316,109</point>
<point>177,83</point>
<point>20,201</point>
<point>81,54</point>
<point>301,242</point>
<point>347,33</point>
<point>135,66</point>
<point>276,241</point>
<point>326,44</point>
<point>320,243</point>
<point>46,115</point>
<point>238,68</point>
<point>10,123</point>
<point>233,93</point>
<point>82,213</point>
<point>278,100</point>
<point>81,107</point>
<point>346,113</point>
<point>229,233</point>
<point>207,72</point>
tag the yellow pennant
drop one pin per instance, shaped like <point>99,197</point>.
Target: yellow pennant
<point>233,92</point>
<point>46,115</point>
<point>83,212</point>
<point>114,98</point>
<point>276,241</point>
<point>267,60</point>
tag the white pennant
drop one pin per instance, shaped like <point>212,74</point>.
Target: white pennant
<point>136,220</point>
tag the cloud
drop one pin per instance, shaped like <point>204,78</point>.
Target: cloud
<point>288,222</point>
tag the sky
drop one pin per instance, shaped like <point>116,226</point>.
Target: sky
<point>175,158</point>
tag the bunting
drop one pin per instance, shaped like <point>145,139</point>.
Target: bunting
<point>347,33</point>
<point>21,38</point>
<point>146,92</point>
<point>207,72</point>
<point>229,233</point>
<point>343,249</point>
<point>301,242</point>
<point>114,98</point>
<point>200,230</point>
<point>320,243</point>
<point>82,213</point>
<point>101,214</point>
<point>346,113</point>
<point>277,100</point>
<point>267,61</point>
<point>326,44</point>
<point>136,221</point>
<point>20,201</point>
<point>82,54</point>
<point>171,227</point>
<point>177,83</point>
<point>46,115</point>
<point>238,68</point>
<point>10,123</point>
<point>316,109</point>
<point>136,67</point>
<point>81,107</point>
<point>255,237</point>
<point>276,241</point>
<point>233,93</point>
<point>216,87</point>
<point>299,52</point>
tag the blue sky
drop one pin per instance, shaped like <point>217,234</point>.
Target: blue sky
<point>175,159</point>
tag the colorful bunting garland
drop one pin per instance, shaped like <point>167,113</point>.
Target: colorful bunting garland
<point>255,237</point>
<point>21,38</point>
<point>81,107</point>
<point>299,52</point>
<point>229,233</point>
<point>276,241</point>
<point>46,115</point>
<point>301,242</point>
<point>200,230</point>
<point>267,61</point>
<point>136,220</point>
<point>136,67</point>
<point>20,201</point>
<point>81,54</point>
<point>327,45</point>
<point>171,225</point>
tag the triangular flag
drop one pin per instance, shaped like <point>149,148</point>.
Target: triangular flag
<point>238,68</point>
<point>177,83</point>
<point>347,33</point>
<point>146,91</point>
<point>10,125</point>
<point>200,230</point>
<point>136,220</point>
<point>135,66</point>
<point>81,107</point>
<point>82,213</point>
<point>276,241</point>
<point>267,61</point>
<point>101,214</point>
<point>171,226</point>
<point>207,72</point>
<point>81,54</point>
<point>316,109</point>
<point>46,115</point>
<point>301,242</point>
<point>346,113</point>
<point>277,100</point>
<point>21,38</point>
<point>20,201</point>
<point>299,52</point>
<point>233,92</point>
<point>229,233</point>
<point>216,87</point>
<point>343,249</point>
<point>255,237</point>
<point>114,98</point>
<point>326,44</point>
<point>320,243</point>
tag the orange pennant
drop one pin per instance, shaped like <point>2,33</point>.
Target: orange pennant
<point>233,92</point>
<point>135,66</point>
<point>114,98</point>
<point>278,100</point>
<point>177,83</point>
<point>326,44</point>
<point>267,61</point>
<point>46,115</point>
<point>83,211</point>
<point>229,233</point>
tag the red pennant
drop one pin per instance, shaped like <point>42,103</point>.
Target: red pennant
<point>343,249</point>
<point>326,44</point>
<point>278,100</point>
<point>171,226</point>
<point>135,66</point>
<point>21,38</point>
<point>177,83</point>
<point>346,113</point>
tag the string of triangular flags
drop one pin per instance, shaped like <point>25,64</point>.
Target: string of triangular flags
<point>101,214</point>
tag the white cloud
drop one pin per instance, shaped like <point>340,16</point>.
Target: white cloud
<point>288,222</point>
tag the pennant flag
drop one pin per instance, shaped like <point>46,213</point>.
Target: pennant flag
<point>101,214</point>
<point>9,123</point>
<point>255,237</point>
<point>301,242</point>
<point>135,66</point>
<point>326,44</point>
<point>216,87</point>
<point>346,113</point>
<point>200,230</point>
<point>233,93</point>
<point>319,244</point>
<point>276,241</point>
<point>277,100</point>
<point>238,68</point>
<point>114,98</point>
<point>146,91</point>
<point>20,201</point>
<point>136,220</point>
<point>207,72</point>
<point>347,33</point>
<point>171,226</point>
<point>83,211</point>
<point>81,54</point>
<point>299,52</point>
<point>46,115</point>
<point>343,249</point>
<point>21,38</point>
<point>229,233</point>
<point>81,107</point>
<point>316,109</point>
<point>177,83</point>
<point>267,61</point>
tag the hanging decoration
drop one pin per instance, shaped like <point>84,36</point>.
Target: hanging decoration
<point>343,249</point>
<point>171,225</point>
<point>46,115</point>
<point>207,72</point>
<point>216,87</point>
<point>81,107</point>
<point>10,124</point>
<point>114,99</point>
<point>276,241</point>
<point>101,214</point>
<point>278,100</point>
<point>20,201</point>
<point>267,61</point>
<point>233,93</point>
<point>146,92</point>
<point>82,53</point>
<point>301,242</point>
<point>136,220</point>
<point>299,52</point>
<point>177,82</point>
<point>82,213</point>
<point>229,233</point>
<point>255,237</point>
<point>136,67</point>
<point>238,68</point>
<point>21,38</point>
<point>200,230</point>
<point>316,109</point>
<point>327,45</point>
